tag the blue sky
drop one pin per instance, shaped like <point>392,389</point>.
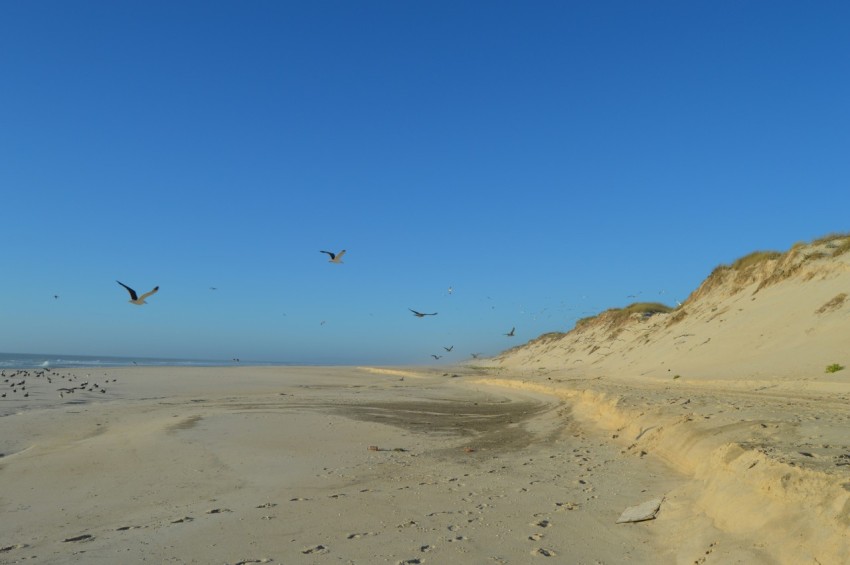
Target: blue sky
<point>545,160</point>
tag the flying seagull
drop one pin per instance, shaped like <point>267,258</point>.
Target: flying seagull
<point>334,257</point>
<point>449,348</point>
<point>511,333</point>
<point>420,314</point>
<point>136,299</point>
<point>436,356</point>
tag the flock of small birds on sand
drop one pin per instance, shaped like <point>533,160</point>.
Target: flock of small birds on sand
<point>15,382</point>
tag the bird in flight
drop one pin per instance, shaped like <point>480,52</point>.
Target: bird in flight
<point>334,257</point>
<point>476,355</point>
<point>449,348</point>
<point>420,314</point>
<point>436,356</point>
<point>136,299</point>
<point>511,333</point>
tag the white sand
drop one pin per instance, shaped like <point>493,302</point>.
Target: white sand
<point>273,465</point>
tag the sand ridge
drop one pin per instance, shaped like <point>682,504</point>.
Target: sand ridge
<point>731,389</point>
<point>760,468</point>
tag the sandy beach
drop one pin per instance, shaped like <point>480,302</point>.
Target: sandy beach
<point>469,465</point>
<point>316,465</point>
<point>728,414</point>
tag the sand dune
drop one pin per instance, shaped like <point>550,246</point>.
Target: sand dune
<point>731,390</point>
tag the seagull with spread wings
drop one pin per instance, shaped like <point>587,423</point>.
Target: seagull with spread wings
<point>334,257</point>
<point>135,298</point>
<point>420,314</point>
<point>511,333</point>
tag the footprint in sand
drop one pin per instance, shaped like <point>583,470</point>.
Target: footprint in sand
<point>84,537</point>
<point>318,549</point>
<point>267,505</point>
<point>182,520</point>
<point>12,547</point>
<point>541,524</point>
<point>358,536</point>
<point>298,499</point>
<point>219,510</point>
<point>543,552</point>
<point>125,528</point>
<point>535,537</point>
<point>567,505</point>
<point>410,562</point>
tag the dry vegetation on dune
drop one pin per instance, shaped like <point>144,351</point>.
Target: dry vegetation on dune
<point>770,267</point>
<point>743,389</point>
<point>755,271</point>
<point>543,339</point>
<point>614,317</point>
<point>838,243</point>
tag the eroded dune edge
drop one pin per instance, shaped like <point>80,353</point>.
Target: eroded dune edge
<point>798,514</point>
<point>741,387</point>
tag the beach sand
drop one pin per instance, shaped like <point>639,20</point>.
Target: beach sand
<point>359,465</point>
<point>743,390</point>
<point>278,465</point>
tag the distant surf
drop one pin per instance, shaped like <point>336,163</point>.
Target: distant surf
<point>40,360</point>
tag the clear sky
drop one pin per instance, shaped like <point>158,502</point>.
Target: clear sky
<point>545,160</point>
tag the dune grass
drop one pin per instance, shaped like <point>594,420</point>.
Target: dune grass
<point>834,304</point>
<point>616,316</point>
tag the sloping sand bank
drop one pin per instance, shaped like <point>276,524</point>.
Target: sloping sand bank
<point>769,468</point>
<point>743,388</point>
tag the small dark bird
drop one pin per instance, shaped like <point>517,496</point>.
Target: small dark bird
<point>334,257</point>
<point>436,356</point>
<point>136,299</point>
<point>420,314</point>
<point>511,333</point>
<point>476,355</point>
<point>449,348</point>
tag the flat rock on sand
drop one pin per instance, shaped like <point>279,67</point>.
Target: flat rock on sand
<point>641,512</point>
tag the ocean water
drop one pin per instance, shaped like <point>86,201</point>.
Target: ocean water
<point>41,360</point>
